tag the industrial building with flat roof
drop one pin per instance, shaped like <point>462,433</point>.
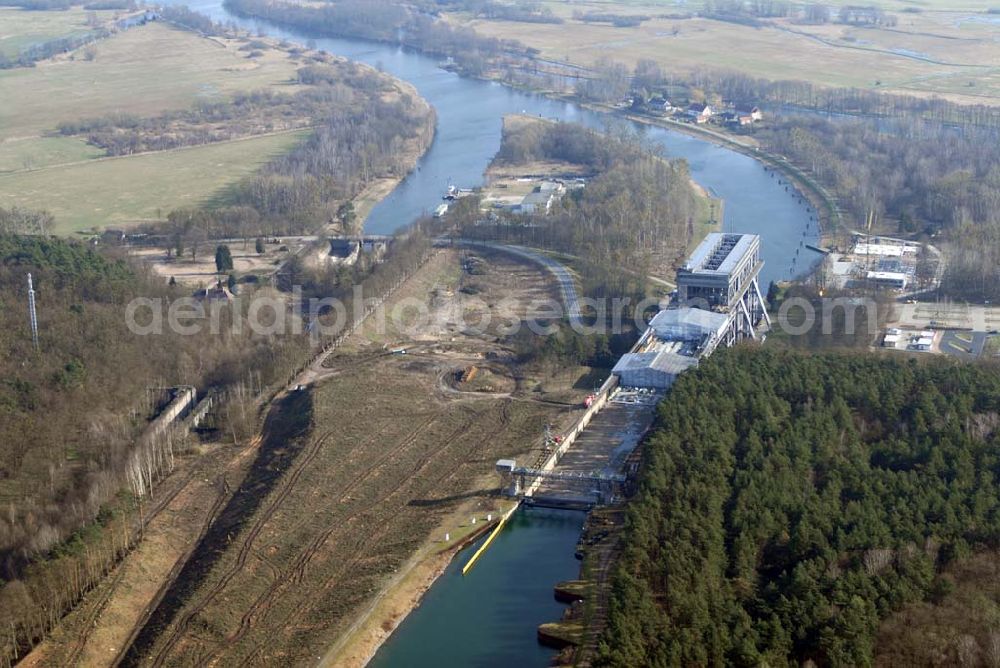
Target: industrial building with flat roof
<point>721,276</point>
<point>688,324</point>
<point>718,302</point>
<point>717,273</point>
<point>884,247</point>
<point>883,262</point>
<point>657,369</point>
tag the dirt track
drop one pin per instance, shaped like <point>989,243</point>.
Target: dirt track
<point>354,477</point>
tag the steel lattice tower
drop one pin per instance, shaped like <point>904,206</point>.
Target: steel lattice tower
<point>32,313</point>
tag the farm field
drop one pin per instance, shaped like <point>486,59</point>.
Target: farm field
<point>390,454</point>
<point>115,192</point>
<point>38,152</point>
<point>144,71</point>
<point>944,51</point>
<point>20,28</point>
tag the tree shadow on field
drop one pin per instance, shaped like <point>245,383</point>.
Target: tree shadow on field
<point>430,503</point>
<point>286,432</point>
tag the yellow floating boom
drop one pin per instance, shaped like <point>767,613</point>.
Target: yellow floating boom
<point>493,534</point>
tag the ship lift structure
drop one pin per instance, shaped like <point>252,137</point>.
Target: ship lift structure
<point>719,303</point>
<point>722,276</point>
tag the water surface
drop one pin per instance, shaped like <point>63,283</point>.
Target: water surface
<point>489,617</point>
<point>470,112</point>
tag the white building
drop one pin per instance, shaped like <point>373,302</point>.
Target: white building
<point>719,303</point>
<point>674,341</point>
<point>688,324</point>
<point>882,247</point>
<point>700,112</point>
<point>539,202</point>
<point>888,279</point>
<point>656,369</point>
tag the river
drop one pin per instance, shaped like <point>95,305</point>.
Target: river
<point>488,618</point>
<point>469,124</point>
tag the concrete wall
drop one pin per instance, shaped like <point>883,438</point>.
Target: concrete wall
<point>184,399</point>
<point>600,401</point>
<point>199,412</point>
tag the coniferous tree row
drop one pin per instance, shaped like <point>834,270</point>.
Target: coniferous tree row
<point>788,503</point>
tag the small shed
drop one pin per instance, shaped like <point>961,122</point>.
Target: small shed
<point>217,292</point>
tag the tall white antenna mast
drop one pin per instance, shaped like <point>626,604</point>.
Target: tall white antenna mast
<point>32,313</point>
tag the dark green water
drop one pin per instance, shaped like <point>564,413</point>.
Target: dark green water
<point>489,617</point>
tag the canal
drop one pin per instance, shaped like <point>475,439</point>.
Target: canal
<point>488,618</point>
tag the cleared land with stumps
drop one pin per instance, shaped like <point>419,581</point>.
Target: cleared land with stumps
<point>393,458</point>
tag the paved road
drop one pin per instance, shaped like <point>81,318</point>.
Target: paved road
<point>567,285</point>
<point>952,345</point>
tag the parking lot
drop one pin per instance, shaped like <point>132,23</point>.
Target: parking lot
<point>956,329</point>
<point>968,345</point>
<point>975,317</point>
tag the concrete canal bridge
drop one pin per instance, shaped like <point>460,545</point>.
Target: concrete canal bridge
<point>578,488</point>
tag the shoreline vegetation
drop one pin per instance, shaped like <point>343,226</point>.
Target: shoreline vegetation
<point>669,216</point>
<point>393,603</point>
<point>819,197</point>
<point>817,508</point>
<point>231,109</point>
